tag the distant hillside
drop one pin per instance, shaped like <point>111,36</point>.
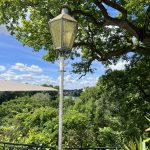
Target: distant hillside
<point>74,93</point>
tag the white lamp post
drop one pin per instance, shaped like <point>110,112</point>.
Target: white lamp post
<point>63,30</point>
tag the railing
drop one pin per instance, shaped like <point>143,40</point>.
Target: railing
<point>93,148</point>
<point>17,146</point>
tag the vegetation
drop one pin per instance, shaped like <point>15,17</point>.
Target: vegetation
<point>109,114</point>
<point>137,145</point>
<point>6,96</point>
<point>106,27</point>
<point>112,112</point>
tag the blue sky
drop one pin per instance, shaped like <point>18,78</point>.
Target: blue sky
<point>22,64</point>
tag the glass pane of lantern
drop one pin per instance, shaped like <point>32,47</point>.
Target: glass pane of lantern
<point>73,36</point>
<point>69,28</point>
<point>55,28</point>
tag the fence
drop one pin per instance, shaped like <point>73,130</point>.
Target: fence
<point>93,148</point>
<point>17,146</point>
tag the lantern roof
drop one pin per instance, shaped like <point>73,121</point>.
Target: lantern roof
<point>63,16</point>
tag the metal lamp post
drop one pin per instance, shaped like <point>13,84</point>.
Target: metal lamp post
<point>63,30</point>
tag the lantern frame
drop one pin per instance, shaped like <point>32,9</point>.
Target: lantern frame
<point>63,18</point>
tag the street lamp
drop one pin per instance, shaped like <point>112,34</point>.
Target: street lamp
<point>63,30</point>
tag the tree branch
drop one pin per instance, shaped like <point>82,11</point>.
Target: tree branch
<point>118,52</point>
<point>147,18</point>
<point>118,7</point>
<point>104,56</point>
<point>99,54</point>
<point>122,23</point>
<point>87,67</point>
<point>89,15</point>
<point>32,4</point>
<point>142,90</point>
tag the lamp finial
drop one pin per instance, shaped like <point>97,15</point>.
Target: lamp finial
<point>65,9</point>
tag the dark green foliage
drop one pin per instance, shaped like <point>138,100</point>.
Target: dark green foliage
<point>29,119</point>
<point>6,96</point>
<point>132,89</point>
<point>109,114</point>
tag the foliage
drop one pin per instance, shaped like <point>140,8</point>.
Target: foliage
<point>148,118</point>
<point>75,129</point>
<point>109,114</point>
<point>6,96</point>
<point>30,118</point>
<point>136,145</point>
<point>105,31</point>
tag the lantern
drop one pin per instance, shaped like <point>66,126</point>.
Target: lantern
<point>63,30</point>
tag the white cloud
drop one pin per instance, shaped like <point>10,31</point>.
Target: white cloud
<point>73,81</point>
<point>69,79</point>
<point>25,68</point>
<point>119,66</point>
<point>3,30</point>
<point>28,74</point>
<point>27,78</point>
<point>33,75</point>
<point>2,68</point>
<point>8,75</point>
<point>70,82</point>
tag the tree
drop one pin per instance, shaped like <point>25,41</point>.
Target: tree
<point>108,114</point>
<point>102,35</point>
<point>104,124</point>
<point>129,91</point>
<point>6,95</point>
<point>29,120</point>
<point>117,106</point>
<point>75,129</point>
